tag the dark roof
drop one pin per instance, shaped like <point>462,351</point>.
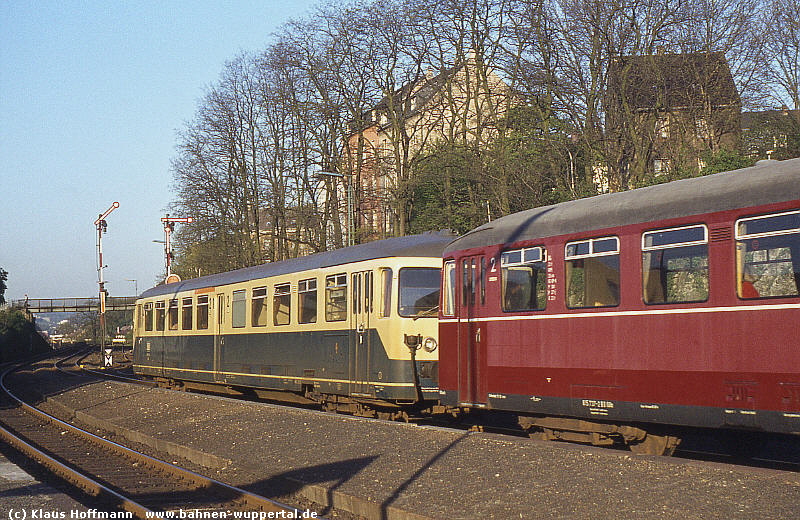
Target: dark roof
<point>663,81</point>
<point>767,117</point>
<point>421,90</point>
<point>426,244</point>
<point>767,182</point>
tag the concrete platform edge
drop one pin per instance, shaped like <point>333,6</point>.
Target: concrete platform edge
<point>317,494</point>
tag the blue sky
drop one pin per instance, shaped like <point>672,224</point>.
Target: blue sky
<point>92,94</point>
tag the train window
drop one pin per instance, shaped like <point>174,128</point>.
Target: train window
<point>675,265</point>
<point>524,279</point>
<point>483,281</point>
<point>186,314</point>
<point>768,256</point>
<point>592,273</point>
<point>449,287</point>
<point>172,315</point>
<point>307,293</point>
<point>202,312</point>
<point>368,306</point>
<point>336,297</point>
<point>356,294</point>
<point>419,291</point>
<point>258,310</point>
<point>160,315</point>
<point>239,309</point>
<point>148,316</point>
<point>467,282</point>
<point>281,304</point>
<point>386,279</point>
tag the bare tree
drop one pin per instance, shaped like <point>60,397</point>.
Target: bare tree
<point>782,31</point>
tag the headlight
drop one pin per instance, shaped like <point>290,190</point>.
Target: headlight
<point>430,344</point>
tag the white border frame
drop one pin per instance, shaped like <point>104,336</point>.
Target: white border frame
<point>768,234</point>
<point>591,253</point>
<point>676,244</point>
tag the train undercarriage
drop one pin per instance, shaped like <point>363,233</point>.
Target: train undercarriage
<point>638,439</point>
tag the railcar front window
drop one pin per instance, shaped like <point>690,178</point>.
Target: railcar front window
<point>160,313</point>
<point>449,286</point>
<point>675,265</point>
<point>148,316</point>
<point>186,314</point>
<point>202,312</point>
<point>259,307</point>
<point>524,279</point>
<point>419,291</point>
<point>336,297</point>
<point>307,292</point>
<point>768,256</point>
<point>239,309</point>
<point>592,273</point>
<point>281,305</point>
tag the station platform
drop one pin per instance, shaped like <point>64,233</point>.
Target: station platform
<point>378,469</point>
<point>23,496</point>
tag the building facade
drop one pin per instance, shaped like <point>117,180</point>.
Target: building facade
<point>463,104</point>
<point>665,112</point>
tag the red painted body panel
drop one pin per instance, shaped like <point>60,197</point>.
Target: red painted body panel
<point>725,352</point>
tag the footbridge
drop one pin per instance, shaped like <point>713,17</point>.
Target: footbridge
<point>43,305</point>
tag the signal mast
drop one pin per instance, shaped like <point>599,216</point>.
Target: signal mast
<point>102,227</point>
<point>169,227</point>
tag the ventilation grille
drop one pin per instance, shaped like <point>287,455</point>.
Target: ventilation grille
<point>720,234</point>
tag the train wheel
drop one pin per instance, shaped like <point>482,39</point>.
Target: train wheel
<point>655,445</point>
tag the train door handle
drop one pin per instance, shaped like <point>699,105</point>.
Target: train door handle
<point>478,335</point>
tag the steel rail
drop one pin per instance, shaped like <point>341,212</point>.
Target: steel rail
<point>682,452</point>
<point>92,486</point>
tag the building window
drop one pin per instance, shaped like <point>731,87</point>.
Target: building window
<point>661,167</point>
<point>336,297</point>
<point>675,265</point>
<point>186,314</point>
<point>592,273</point>
<point>202,312</point>
<point>701,128</point>
<point>662,127</point>
<point>239,309</point>
<point>258,311</point>
<point>524,279</point>
<point>307,294</point>
<point>768,255</point>
<point>281,304</point>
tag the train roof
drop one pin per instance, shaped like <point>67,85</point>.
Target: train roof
<point>765,183</point>
<point>424,245</point>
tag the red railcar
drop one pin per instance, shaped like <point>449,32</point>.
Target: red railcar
<point>612,317</point>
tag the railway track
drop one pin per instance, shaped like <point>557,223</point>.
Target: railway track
<point>697,445</point>
<point>121,477</point>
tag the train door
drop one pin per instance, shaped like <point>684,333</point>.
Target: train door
<point>219,338</point>
<point>360,335</point>
<point>471,275</point>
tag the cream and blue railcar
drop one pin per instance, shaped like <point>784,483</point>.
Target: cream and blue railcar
<point>339,327</point>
